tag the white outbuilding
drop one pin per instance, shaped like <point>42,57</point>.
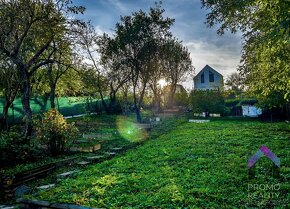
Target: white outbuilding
<point>251,110</point>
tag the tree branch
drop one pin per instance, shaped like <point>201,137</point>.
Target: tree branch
<point>37,55</point>
<point>45,62</point>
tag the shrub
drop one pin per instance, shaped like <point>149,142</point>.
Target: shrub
<point>207,101</point>
<point>54,132</point>
<point>181,98</point>
<point>14,149</point>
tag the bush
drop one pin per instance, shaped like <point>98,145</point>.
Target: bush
<point>14,149</point>
<point>54,132</point>
<point>181,98</point>
<point>207,101</point>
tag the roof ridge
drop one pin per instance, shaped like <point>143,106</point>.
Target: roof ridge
<point>204,68</point>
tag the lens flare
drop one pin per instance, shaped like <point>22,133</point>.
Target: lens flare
<point>129,130</point>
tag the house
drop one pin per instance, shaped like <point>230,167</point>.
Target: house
<point>208,78</point>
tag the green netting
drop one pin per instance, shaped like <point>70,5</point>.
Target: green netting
<point>68,106</point>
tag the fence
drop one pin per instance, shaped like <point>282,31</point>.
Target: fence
<point>67,106</point>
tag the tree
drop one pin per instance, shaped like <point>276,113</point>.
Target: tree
<point>28,29</point>
<point>156,88</point>
<point>181,98</point>
<point>88,42</point>
<point>235,84</point>
<point>265,28</point>
<point>63,61</point>
<point>116,74</point>
<point>9,83</point>
<point>136,44</point>
<point>207,101</point>
<point>177,63</point>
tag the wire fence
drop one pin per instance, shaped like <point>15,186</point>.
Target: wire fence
<point>67,106</point>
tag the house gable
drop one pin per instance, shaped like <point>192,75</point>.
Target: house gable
<point>208,78</point>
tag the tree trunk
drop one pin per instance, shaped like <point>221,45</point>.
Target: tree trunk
<point>156,102</point>
<point>26,104</point>
<point>157,105</point>
<point>137,108</point>
<point>52,96</point>
<point>103,102</point>
<point>156,97</point>
<point>9,99</point>
<point>138,114</point>
<point>288,111</point>
<point>171,95</point>
<point>112,105</point>
<point>138,104</point>
<point>52,85</point>
<point>5,115</point>
<point>58,107</point>
<point>113,108</point>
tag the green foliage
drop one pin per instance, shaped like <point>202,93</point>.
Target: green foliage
<point>239,102</point>
<point>207,101</point>
<point>54,132</point>
<point>265,58</point>
<point>189,166</point>
<point>181,98</point>
<point>12,148</point>
<point>177,65</point>
<point>232,102</point>
<point>31,33</point>
<point>141,52</point>
<point>236,86</point>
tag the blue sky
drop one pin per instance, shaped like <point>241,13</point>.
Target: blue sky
<point>206,47</point>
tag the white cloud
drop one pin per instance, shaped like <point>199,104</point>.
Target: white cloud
<point>224,58</point>
<point>100,30</point>
<point>118,5</point>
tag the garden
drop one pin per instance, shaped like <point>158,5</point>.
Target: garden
<point>119,118</point>
<point>188,165</point>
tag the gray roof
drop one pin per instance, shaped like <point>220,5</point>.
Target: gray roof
<point>209,68</point>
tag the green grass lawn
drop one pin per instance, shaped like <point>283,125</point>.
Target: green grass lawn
<point>190,165</point>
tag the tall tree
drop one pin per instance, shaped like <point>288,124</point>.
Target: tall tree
<point>88,42</point>
<point>28,28</point>
<point>116,74</point>
<point>136,42</point>
<point>177,63</point>
<point>265,28</point>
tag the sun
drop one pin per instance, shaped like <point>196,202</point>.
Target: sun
<point>162,82</point>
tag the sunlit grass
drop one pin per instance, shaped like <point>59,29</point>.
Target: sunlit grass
<point>188,166</point>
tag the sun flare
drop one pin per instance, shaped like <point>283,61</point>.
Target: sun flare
<point>162,82</point>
